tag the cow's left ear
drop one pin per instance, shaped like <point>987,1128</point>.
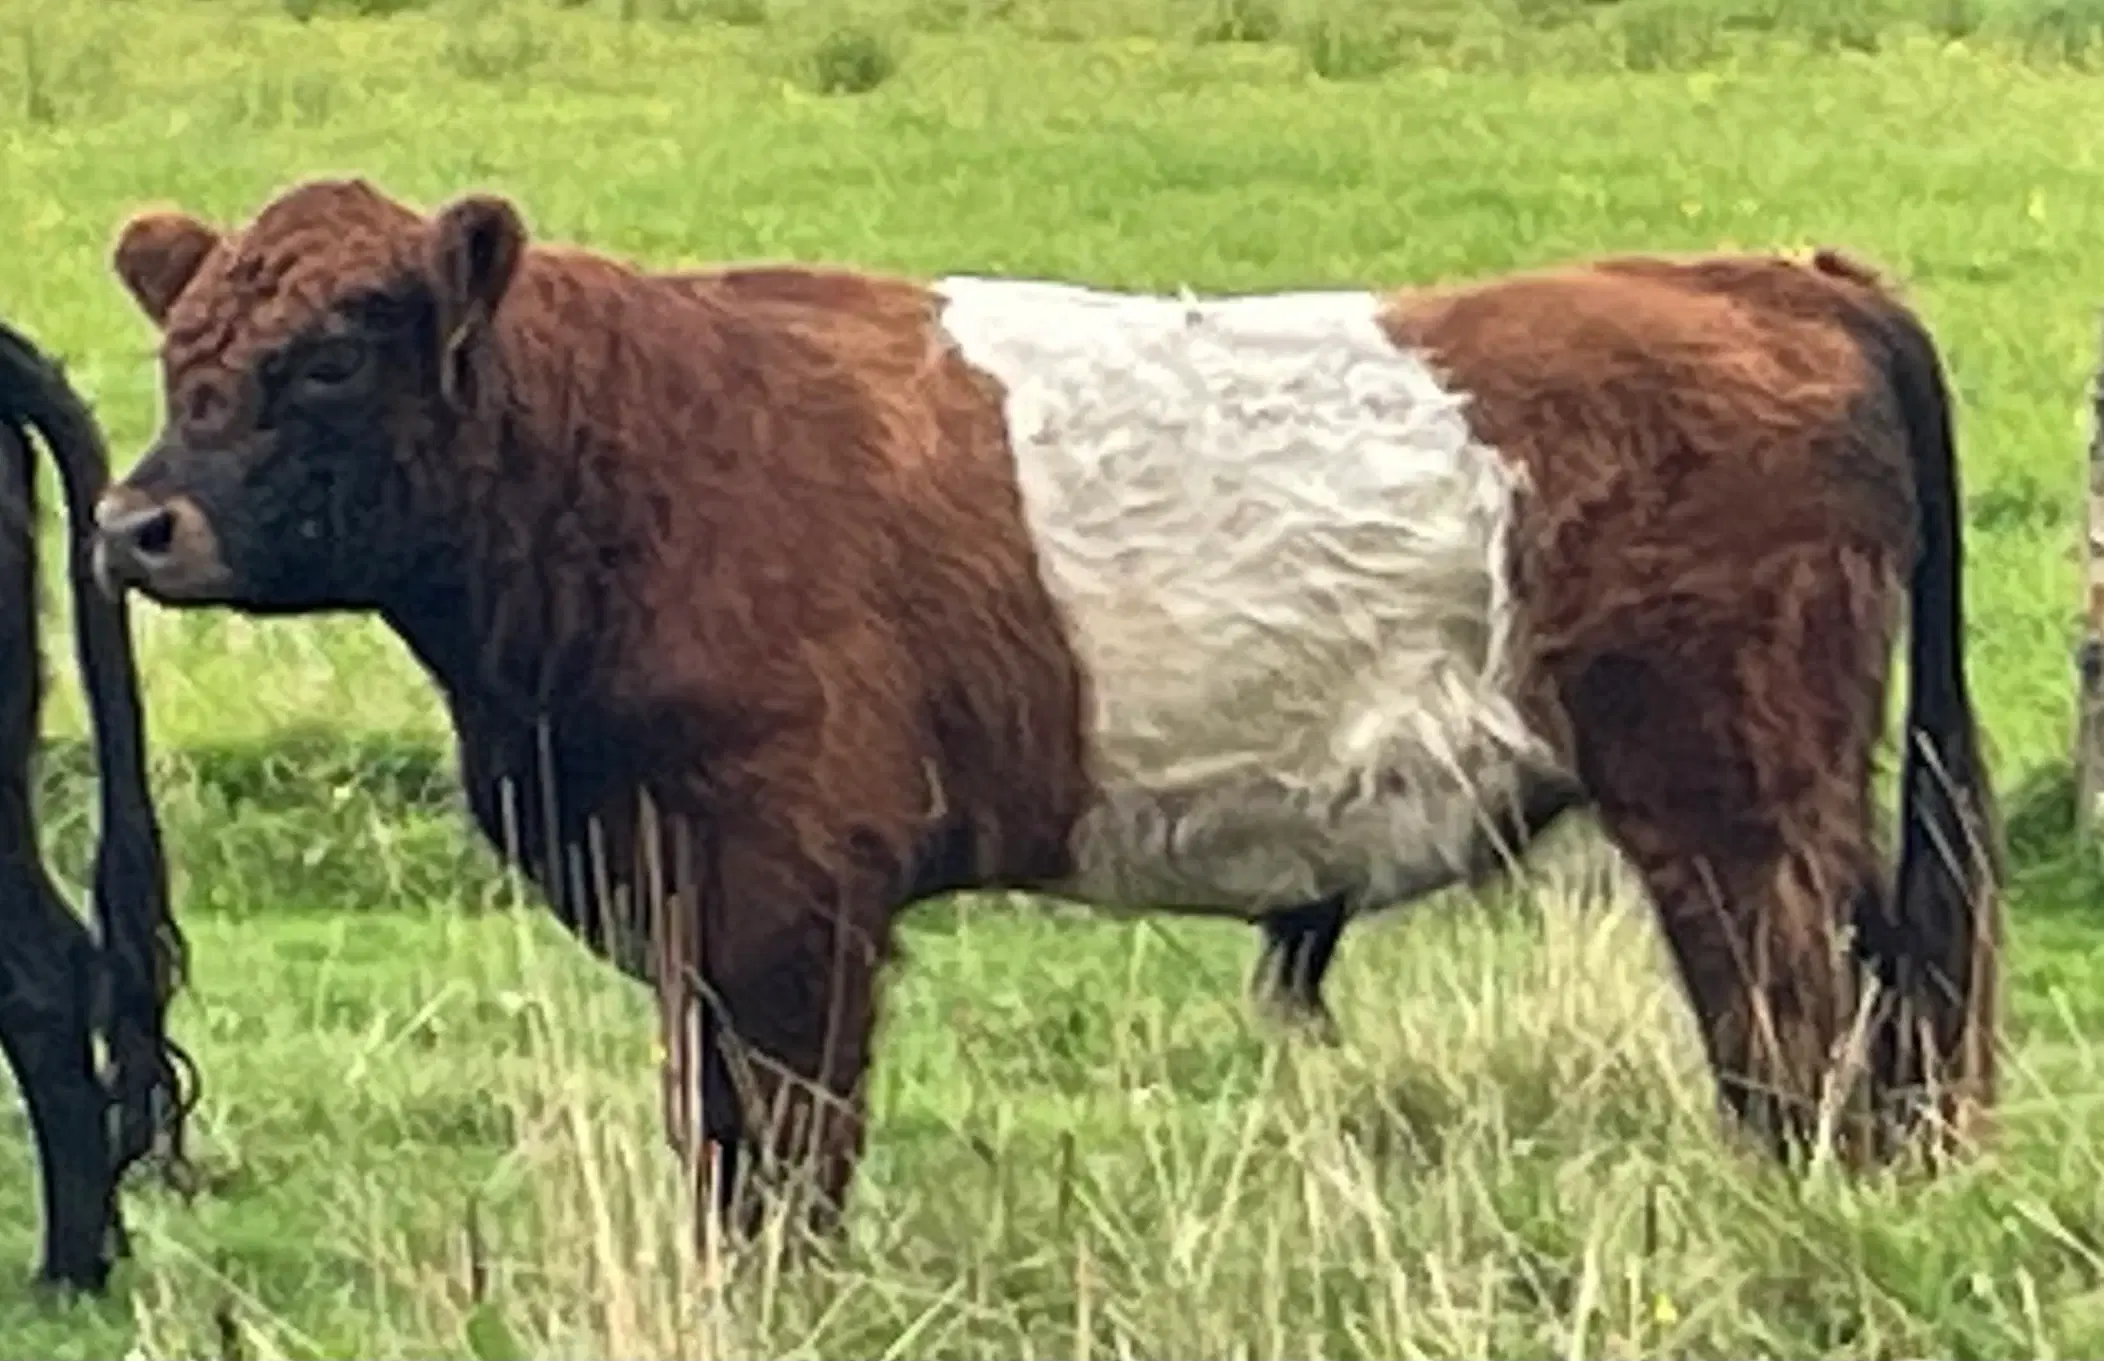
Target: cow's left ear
<point>475,247</point>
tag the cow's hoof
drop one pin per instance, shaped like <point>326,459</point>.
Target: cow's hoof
<point>71,1279</point>
<point>1303,1018</point>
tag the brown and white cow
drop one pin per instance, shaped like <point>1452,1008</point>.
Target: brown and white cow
<point>60,986</point>
<point>789,597</point>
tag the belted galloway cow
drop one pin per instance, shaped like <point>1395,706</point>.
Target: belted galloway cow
<point>768,602</point>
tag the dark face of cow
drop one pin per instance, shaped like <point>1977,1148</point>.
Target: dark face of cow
<point>314,368</point>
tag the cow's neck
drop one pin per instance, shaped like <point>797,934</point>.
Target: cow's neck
<point>539,781</point>
<point>433,621</point>
<point>496,744</point>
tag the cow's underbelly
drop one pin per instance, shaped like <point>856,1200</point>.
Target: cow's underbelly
<point>1280,555</point>
<point>1379,814</point>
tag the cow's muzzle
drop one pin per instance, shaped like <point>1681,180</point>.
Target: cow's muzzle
<point>164,548</point>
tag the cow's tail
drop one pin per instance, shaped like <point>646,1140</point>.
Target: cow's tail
<point>1937,947</point>
<point>153,1081</point>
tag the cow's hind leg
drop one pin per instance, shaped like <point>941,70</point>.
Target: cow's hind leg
<point>47,972</point>
<point>1731,759</point>
<point>1298,945</point>
<point>1301,941</point>
<point>49,963</point>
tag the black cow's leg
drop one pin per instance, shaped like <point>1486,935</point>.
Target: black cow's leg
<point>1299,943</point>
<point>47,970</point>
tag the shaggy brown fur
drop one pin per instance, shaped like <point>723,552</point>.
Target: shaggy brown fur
<point>1735,463</point>
<point>56,986</point>
<point>1742,472</point>
<point>726,581</point>
<point>742,544</point>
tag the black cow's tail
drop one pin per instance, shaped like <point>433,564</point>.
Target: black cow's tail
<point>152,1079</point>
<point>1937,948</point>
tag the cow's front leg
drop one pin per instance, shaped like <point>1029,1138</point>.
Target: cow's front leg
<point>778,1057</point>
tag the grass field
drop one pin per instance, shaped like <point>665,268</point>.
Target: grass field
<point>1084,1146</point>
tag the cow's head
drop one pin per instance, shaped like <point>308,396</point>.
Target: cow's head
<point>312,365</point>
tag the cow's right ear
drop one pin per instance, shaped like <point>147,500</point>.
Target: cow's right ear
<point>157,254</point>
<point>475,248</point>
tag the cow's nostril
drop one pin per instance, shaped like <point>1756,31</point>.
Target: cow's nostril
<point>157,535</point>
<point>151,532</point>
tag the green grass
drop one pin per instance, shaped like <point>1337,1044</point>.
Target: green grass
<point>1083,1145</point>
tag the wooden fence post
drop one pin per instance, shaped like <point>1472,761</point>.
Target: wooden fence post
<point>2089,655</point>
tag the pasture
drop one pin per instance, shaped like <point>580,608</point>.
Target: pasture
<point>430,1122</point>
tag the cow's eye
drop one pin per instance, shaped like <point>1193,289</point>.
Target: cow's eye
<point>334,362</point>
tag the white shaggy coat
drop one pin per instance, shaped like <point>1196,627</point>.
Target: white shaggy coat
<point>1280,555</point>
